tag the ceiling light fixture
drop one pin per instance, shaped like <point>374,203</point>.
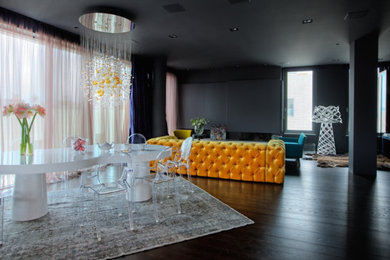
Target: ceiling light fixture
<point>106,74</point>
<point>234,29</point>
<point>307,21</point>
<point>105,22</point>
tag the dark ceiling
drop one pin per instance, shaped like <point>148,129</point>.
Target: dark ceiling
<point>269,32</point>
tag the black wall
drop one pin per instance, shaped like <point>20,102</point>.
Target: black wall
<point>332,89</point>
<point>208,93</point>
<point>244,99</point>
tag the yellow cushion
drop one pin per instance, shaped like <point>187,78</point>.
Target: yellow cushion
<point>182,133</point>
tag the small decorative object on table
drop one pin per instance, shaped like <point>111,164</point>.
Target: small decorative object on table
<point>199,123</point>
<point>78,144</point>
<point>23,112</point>
<point>105,146</point>
<point>218,132</point>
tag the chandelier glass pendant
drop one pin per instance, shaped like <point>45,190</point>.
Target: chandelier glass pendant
<point>106,73</point>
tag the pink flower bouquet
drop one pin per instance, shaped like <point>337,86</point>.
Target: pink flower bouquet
<point>23,112</point>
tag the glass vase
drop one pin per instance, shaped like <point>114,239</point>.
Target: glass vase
<point>198,130</point>
<point>26,144</point>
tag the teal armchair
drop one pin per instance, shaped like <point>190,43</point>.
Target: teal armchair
<point>294,147</point>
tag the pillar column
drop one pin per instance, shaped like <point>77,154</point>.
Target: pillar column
<point>363,105</point>
<point>159,123</point>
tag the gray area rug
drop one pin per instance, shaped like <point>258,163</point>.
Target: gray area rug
<point>59,235</point>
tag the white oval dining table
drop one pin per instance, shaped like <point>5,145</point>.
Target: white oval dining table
<point>30,194</point>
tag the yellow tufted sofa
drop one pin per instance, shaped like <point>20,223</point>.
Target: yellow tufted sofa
<point>233,160</point>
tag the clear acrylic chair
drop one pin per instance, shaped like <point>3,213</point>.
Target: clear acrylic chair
<point>182,159</point>
<point>100,191</point>
<point>137,141</point>
<point>6,188</point>
<point>161,175</point>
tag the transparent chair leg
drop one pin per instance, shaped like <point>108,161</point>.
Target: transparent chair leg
<point>169,194</point>
<point>160,194</point>
<point>170,175</point>
<point>81,198</point>
<point>65,180</point>
<point>154,195</point>
<point>96,214</point>
<point>131,217</point>
<point>98,176</point>
<point>189,179</point>
<point>131,200</point>
<point>2,221</point>
<point>177,196</point>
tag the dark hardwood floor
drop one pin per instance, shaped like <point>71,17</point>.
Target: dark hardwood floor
<point>317,214</point>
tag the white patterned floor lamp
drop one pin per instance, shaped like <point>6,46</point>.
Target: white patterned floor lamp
<point>326,116</point>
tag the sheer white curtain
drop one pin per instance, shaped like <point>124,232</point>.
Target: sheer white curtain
<point>171,102</point>
<point>38,68</point>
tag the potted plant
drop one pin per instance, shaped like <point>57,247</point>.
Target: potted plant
<point>199,124</point>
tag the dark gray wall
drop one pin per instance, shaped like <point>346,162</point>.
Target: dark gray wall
<point>244,99</point>
<point>332,89</point>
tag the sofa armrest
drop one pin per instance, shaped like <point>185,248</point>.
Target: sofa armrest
<point>275,163</point>
<point>293,150</point>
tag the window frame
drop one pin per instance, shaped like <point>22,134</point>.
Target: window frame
<point>285,100</point>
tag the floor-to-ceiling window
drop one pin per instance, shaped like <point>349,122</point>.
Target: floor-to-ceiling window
<point>41,68</point>
<point>299,92</point>
<point>382,95</point>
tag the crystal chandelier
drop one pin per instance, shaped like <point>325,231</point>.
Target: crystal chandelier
<point>106,73</point>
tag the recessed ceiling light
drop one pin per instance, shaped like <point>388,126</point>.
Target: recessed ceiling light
<point>307,21</point>
<point>172,36</point>
<point>234,29</point>
<point>337,44</point>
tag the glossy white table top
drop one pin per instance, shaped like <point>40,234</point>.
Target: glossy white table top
<point>65,159</point>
